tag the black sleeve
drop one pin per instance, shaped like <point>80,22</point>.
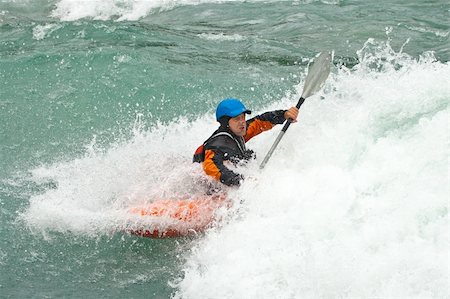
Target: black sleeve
<point>275,117</point>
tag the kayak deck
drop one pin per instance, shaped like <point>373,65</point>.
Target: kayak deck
<point>176,218</point>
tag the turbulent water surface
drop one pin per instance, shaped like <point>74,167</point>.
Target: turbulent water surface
<point>103,102</point>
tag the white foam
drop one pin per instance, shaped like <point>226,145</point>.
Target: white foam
<point>222,37</point>
<point>438,33</point>
<point>70,10</point>
<point>353,204</point>
<point>94,193</point>
<point>41,31</point>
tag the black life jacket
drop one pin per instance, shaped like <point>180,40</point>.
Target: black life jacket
<point>232,146</point>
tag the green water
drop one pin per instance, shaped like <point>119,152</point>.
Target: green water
<point>67,84</point>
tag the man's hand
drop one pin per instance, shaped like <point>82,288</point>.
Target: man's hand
<point>292,113</point>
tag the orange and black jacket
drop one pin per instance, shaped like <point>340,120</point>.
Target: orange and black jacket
<point>223,145</point>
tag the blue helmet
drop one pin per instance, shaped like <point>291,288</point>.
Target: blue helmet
<point>230,107</point>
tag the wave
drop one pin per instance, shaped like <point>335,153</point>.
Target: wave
<point>353,203</point>
<point>70,10</point>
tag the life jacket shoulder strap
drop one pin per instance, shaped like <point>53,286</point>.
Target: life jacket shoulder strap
<point>199,155</point>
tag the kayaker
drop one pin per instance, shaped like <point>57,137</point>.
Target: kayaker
<point>227,143</point>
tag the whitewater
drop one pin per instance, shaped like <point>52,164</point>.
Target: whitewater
<point>103,103</point>
<point>356,205</point>
<point>354,202</point>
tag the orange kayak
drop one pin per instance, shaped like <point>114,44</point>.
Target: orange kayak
<point>167,218</point>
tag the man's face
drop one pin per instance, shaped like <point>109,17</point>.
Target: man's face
<point>238,125</point>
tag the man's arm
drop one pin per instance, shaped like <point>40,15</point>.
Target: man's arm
<point>263,122</point>
<point>213,166</point>
<point>268,120</point>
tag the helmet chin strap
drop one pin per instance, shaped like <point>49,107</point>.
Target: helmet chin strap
<point>224,121</point>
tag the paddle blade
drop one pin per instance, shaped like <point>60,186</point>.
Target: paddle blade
<point>317,74</point>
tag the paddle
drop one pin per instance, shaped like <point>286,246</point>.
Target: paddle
<point>317,74</point>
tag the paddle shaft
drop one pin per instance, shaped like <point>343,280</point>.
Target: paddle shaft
<point>280,136</point>
<point>317,74</point>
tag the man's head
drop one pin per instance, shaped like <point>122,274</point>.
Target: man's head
<point>231,113</point>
